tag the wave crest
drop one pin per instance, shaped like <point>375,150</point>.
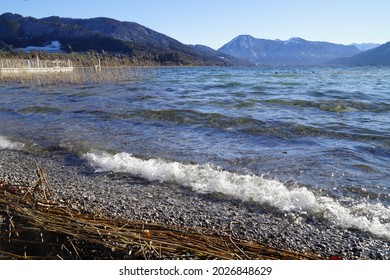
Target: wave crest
<point>6,144</point>
<point>208,178</point>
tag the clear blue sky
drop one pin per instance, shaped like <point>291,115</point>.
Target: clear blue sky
<point>215,22</point>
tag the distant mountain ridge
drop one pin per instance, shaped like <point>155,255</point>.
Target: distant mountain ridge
<point>207,51</point>
<point>102,34</point>
<point>146,45</point>
<point>295,51</point>
<point>375,57</point>
<point>366,46</point>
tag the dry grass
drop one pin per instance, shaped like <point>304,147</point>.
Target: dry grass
<point>34,225</point>
<point>88,69</point>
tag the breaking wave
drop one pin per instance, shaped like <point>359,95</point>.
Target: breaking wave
<point>6,144</point>
<point>208,178</point>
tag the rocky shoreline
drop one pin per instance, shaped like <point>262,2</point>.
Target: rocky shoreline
<point>120,195</point>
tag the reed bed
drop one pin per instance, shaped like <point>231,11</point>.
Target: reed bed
<point>35,225</point>
<point>88,68</point>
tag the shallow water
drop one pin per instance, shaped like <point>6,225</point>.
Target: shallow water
<point>313,140</point>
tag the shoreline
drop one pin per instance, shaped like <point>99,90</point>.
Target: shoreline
<point>125,197</point>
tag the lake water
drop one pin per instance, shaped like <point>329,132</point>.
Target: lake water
<point>313,139</point>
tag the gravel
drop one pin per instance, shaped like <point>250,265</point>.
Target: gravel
<point>121,195</point>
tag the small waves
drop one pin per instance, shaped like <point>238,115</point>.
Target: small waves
<point>258,125</point>
<point>225,85</point>
<point>40,110</point>
<point>335,106</point>
<point>242,124</point>
<point>208,178</point>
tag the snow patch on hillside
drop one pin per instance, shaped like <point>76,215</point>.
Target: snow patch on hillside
<point>54,47</point>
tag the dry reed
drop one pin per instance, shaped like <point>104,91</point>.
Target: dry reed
<point>88,68</point>
<point>34,225</point>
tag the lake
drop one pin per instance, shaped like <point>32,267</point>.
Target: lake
<point>313,140</point>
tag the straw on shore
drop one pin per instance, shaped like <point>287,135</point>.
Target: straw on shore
<point>35,225</point>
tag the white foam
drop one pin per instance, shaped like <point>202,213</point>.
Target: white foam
<point>208,178</point>
<point>6,144</point>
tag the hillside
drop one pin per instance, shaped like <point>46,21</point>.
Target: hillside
<point>209,52</point>
<point>295,51</point>
<point>101,34</point>
<point>377,56</point>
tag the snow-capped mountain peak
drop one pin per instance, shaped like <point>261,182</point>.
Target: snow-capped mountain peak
<point>295,51</point>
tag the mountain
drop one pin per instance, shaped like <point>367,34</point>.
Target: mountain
<point>377,56</point>
<point>100,34</point>
<point>366,46</point>
<point>209,52</point>
<point>295,51</point>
